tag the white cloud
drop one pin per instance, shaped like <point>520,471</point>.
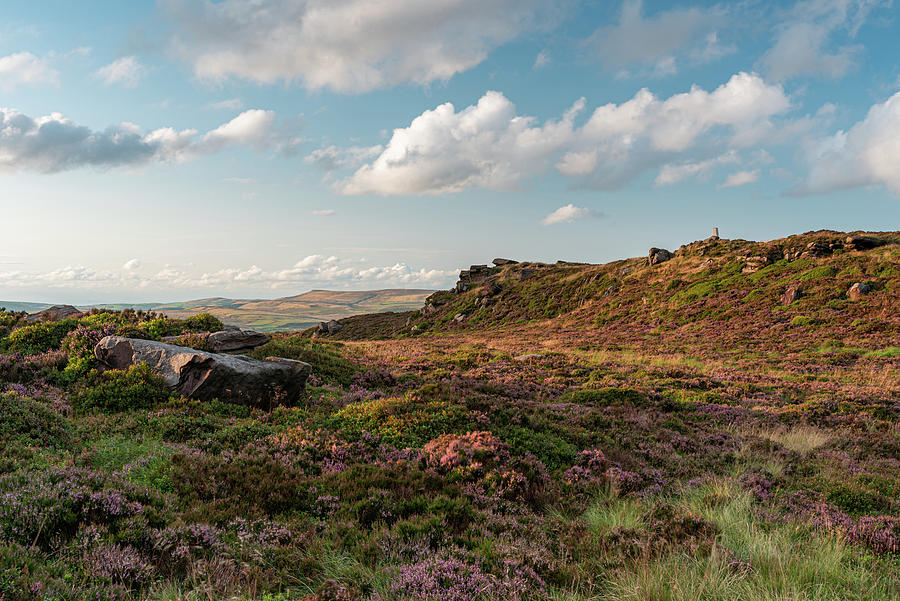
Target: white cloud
<point>126,71</point>
<point>332,158</point>
<point>323,212</point>
<point>53,143</point>
<point>347,46</point>
<point>865,155</point>
<point>542,59</point>
<point>654,42</point>
<point>24,68</point>
<point>232,104</point>
<point>741,178</point>
<point>488,145</point>
<point>131,265</point>
<point>566,214</point>
<point>804,40</point>
<point>674,173</point>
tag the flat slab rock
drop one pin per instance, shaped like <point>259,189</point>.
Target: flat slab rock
<point>206,376</point>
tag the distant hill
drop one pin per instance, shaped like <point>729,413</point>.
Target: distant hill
<point>271,315</point>
<point>29,307</point>
<point>300,311</point>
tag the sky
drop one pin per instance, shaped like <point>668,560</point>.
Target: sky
<point>160,151</point>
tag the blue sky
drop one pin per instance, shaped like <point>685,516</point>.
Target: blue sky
<point>186,148</point>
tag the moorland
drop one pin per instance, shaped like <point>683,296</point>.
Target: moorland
<point>719,424</point>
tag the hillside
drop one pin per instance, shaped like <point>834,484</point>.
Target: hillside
<point>721,424</point>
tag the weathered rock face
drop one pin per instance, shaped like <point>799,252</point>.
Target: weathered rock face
<point>792,293</point>
<point>54,313</point>
<point>501,262</point>
<point>330,327</point>
<point>858,290</point>
<point>206,376</point>
<point>236,339</point>
<point>658,255</point>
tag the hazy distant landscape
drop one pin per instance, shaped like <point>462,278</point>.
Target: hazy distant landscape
<point>271,315</point>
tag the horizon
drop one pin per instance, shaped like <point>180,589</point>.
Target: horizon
<point>188,149</point>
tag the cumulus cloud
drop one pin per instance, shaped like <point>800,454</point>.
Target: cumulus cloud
<point>566,214</point>
<point>126,71</point>
<point>741,178</point>
<point>865,155</point>
<point>313,271</point>
<point>804,41</point>
<point>654,42</point>
<point>24,68</point>
<point>347,46</point>
<point>131,265</point>
<point>323,212</point>
<point>488,145</point>
<point>53,143</point>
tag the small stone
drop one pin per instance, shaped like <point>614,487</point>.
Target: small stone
<point>858,290</point>
<point>791,294</point>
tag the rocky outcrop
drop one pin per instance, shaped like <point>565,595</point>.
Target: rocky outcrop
<point>858,290</point>
<point>206,376</point>
<point>817,250</point>
<point>658,255</point>
<point>55,313</point>
<point>329,327</point>
<point>861,242</point>
<point>235,339</point>
<point>791,294</point>
<point>501,262</point>
<point>473,276</point>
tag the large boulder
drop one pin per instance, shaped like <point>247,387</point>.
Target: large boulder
<point>499,262</point>
<point>236,339</point>
<point>55,313</point>
<point>206,376</point>
<point>329,327</point>
<point>658,255</point>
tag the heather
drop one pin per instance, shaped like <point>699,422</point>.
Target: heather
<point>587,432</point>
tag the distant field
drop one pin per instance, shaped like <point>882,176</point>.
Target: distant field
<point>280,314</point>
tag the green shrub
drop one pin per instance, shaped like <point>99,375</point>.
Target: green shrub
<point>608,397</point>
<point>325,357</point>
<point>402,422</point>
<point>803,320</point>
<point>817,273</point>
<point>33,423</point>
<point>40,337</point>
<point>121,390</point>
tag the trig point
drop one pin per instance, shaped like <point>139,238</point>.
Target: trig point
<point>715,233</point>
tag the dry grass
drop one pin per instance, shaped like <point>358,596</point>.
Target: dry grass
<point>800,439</point>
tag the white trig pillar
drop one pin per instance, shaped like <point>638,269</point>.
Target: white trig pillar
<point>715,233</point>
